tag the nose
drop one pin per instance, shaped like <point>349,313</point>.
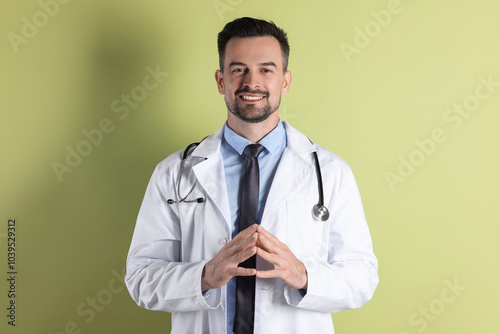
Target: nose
<point>251,80</point>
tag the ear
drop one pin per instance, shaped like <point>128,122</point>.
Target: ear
<point>219,78</point>
<point>287,80</point>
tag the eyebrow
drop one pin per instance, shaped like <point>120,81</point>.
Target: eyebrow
<point>238,63</point>
<point>270,63</point>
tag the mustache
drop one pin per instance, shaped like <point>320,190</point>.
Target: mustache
<point>247,90</point>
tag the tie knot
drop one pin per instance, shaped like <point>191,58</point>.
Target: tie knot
<point>253,150</point>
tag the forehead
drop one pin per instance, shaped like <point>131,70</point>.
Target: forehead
<point>253,50</point>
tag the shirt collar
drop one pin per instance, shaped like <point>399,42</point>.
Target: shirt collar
<point>271,142</point>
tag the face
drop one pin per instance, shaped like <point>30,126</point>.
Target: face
<point>253,79</point>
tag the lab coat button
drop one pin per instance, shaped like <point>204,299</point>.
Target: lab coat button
<point>224,241</point>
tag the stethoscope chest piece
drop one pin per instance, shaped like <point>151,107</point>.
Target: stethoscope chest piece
<point>320,212</point>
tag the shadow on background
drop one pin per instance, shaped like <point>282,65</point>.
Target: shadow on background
<point>74,235</point>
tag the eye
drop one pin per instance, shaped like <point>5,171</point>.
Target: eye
<point>238,70</point>
<point>266,70</point>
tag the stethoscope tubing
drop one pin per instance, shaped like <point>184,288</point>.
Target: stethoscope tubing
<point>319,211</point>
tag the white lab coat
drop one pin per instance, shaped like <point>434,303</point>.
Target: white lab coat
<point>172,242</point>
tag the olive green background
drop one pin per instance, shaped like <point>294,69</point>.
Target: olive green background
<point>438,224</point>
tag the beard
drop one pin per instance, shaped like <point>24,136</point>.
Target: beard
<point>250,113</point>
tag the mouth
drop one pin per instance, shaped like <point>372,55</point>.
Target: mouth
<point>251,97</point>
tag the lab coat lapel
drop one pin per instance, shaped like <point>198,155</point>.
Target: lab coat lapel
<point>210,173</point>
<point>294,167</point>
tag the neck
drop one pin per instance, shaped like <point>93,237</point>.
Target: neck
<point>252,131</point>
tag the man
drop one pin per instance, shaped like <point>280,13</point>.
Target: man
<point>226,240</point>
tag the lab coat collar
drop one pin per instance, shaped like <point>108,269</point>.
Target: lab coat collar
<point>209,145</point>
<point>294,167</point>
<point>210,173</point>
<point>298,142</point>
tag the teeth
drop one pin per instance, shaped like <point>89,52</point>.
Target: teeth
<point>252,97</point>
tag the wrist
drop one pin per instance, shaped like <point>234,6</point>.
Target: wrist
<point>304,287</point>
<point>204,281</point>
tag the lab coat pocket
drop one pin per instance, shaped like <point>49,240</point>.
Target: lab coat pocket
<point>305,235</point>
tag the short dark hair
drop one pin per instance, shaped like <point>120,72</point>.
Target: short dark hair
<point>250,27</point>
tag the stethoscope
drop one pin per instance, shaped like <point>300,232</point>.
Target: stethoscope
<point>319,211</point>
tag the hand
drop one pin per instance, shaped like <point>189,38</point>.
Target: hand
<point>286,265</point>
<point>224,265</point>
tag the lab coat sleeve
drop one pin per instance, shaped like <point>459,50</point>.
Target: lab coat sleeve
<point>156,278</point>
<point>349,278</point>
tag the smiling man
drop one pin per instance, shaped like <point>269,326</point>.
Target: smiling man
<point>227,238</point>
<point>252,88</point>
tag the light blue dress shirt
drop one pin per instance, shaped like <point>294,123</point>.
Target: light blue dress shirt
<point>231,148</point>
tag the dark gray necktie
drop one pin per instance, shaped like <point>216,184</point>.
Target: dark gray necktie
<point>249,208</point>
